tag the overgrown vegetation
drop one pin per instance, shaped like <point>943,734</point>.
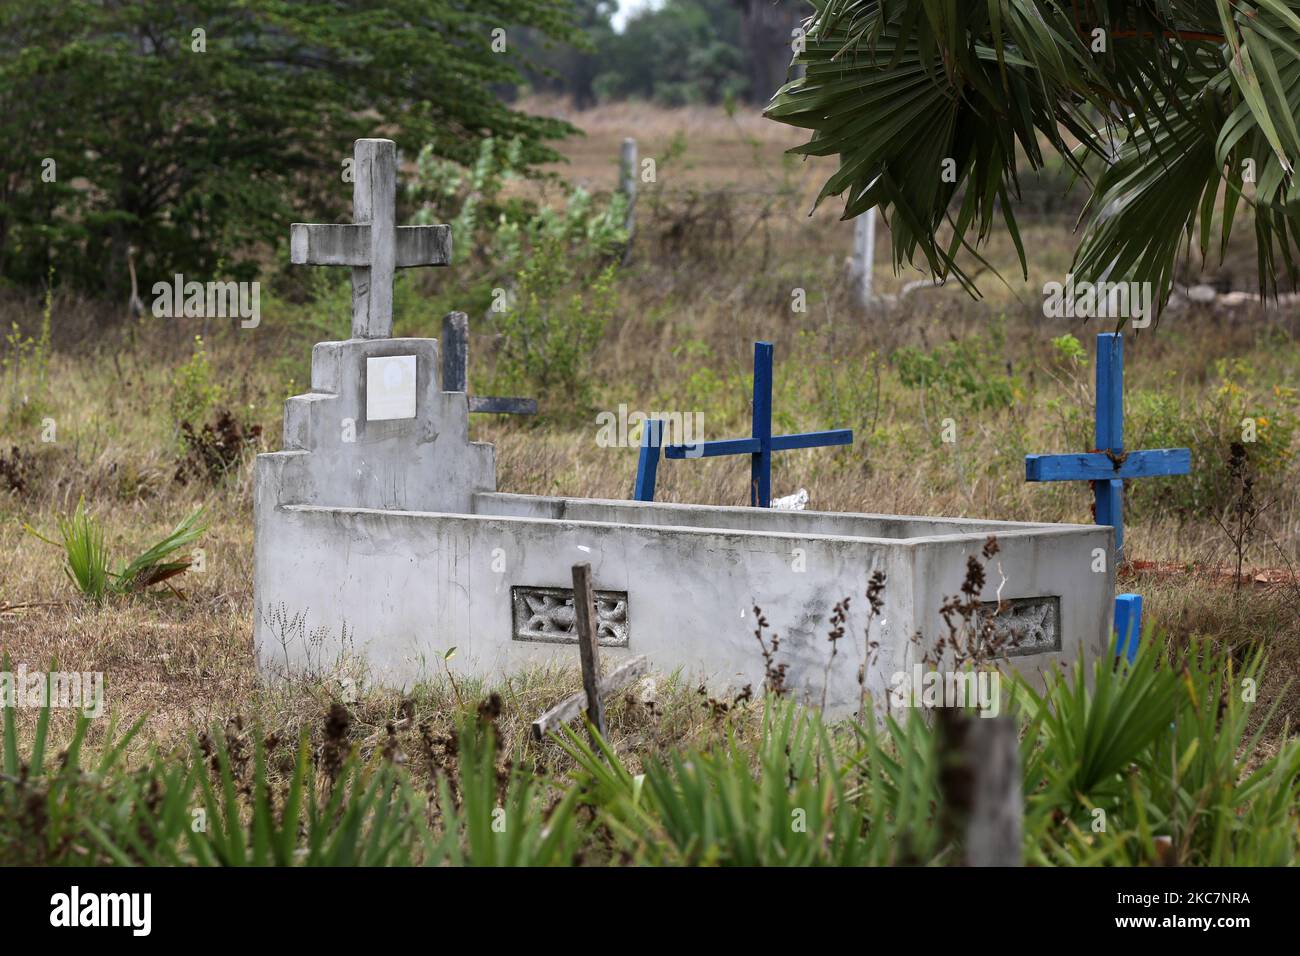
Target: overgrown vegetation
<point>690,302</point>
<point>1156,763</point>
<point>543,273</point>
<point>551,330</point>
<point>184,133</point>
<point>87,561</point>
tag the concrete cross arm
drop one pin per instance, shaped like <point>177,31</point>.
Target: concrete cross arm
<point>373,245</point>
<point>314,244</point>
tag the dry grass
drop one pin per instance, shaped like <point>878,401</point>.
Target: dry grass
<point>722,244</point>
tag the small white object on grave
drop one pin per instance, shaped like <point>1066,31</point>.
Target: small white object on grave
<point>795,502</point>
<point>380,538</point>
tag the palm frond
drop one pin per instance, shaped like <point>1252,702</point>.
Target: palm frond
<point>933,108</point>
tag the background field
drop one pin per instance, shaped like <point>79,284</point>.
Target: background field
<point>724,237</point>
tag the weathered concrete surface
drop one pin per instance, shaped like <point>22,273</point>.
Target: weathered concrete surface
<point>385,541</point>
<point>839,524</point>
<point>410,585</point>
<point>312,244</point>
<point>426,463</point>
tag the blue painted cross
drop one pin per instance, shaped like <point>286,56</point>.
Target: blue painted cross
<point>1109,464</point>
<point>759,446</point>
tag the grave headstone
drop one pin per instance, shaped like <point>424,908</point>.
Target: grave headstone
<point>381,542</point>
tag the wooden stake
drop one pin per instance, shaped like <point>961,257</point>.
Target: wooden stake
<point>569,708</point>
<point>584,606</point>
<point>979,779</point>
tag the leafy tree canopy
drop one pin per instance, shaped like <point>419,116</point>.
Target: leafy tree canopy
<point>673,53</point>
<point>1166,109</point>
<point>193,130</point>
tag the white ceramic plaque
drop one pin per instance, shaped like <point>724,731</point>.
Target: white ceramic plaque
<point>390,387</point>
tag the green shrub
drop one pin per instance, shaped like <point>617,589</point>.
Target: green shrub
<point>500,231</point>
<point>798,801</point>
<point>1155,762</point>
<point>194,393</point>
<point>81,538</point>
<point>1263,421</point>
<point>215,807</point>
<point>971,371</point>
<point>551,330</point>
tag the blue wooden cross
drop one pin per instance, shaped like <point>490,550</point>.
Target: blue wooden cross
<point>1109,464</point>
<point>759,446</point>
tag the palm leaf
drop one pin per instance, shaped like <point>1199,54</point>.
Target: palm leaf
<point>1187,89</point>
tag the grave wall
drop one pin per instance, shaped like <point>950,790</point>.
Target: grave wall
<point>408,586</point>
<point>379,538</point>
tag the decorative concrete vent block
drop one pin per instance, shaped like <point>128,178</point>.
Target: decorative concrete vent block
<point>547,615</point>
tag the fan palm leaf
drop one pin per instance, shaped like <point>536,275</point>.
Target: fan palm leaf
<point>1172,112</point>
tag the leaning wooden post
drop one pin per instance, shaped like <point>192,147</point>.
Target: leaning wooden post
<point>584,607</point>
<point>627,186</point>
<point>455,352</point>
<point>979,783</point>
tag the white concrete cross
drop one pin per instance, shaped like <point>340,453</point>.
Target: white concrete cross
<point>374,245</point>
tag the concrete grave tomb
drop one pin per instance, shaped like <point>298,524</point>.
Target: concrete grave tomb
<point>380,534</point>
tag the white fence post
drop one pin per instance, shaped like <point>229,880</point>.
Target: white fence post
<point>627,169</point>
<point>864,256</point>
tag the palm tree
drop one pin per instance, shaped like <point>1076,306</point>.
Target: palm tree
<point>1169,111</point>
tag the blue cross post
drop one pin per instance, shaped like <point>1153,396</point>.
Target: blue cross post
<point>759,446</point>
<point>1108,465</point>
